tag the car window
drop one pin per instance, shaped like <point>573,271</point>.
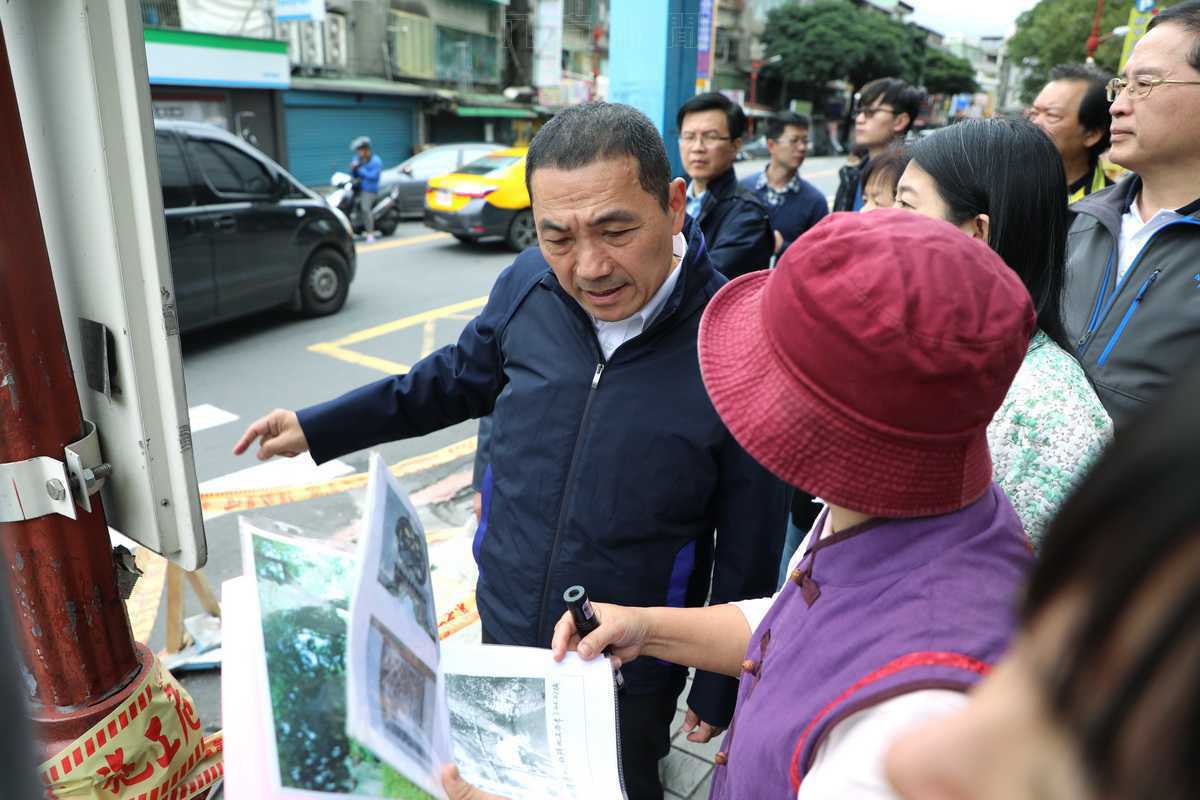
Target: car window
<point>469,154</point>
<point>434,162</point>
<point>176,186</point>
<point>229,170</point>
<point>488,164</point>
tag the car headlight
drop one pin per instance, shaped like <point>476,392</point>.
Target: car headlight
<point>342,218</point>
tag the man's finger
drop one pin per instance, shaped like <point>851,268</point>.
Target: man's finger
<point>255,430</point>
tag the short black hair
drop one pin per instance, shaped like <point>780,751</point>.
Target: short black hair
<point>780,122</point>
<point>888,165</point>
<point>898,94</point>
<point>1010,170</point>
<point>715,101</point>
<point>1093,107</point>
<point>1132,521</point>
<point>586,133</point>
<point>1186,15</point>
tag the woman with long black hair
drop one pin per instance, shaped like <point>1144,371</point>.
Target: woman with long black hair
<point>1002,181</point>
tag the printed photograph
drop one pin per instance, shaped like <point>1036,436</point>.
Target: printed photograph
<point>402,694</point>
<point>500,737</point>
<point>304,599</point>
<point>404,564</point>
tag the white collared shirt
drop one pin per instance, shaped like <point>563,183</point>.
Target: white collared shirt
<point>614,334</point>
<point>1135,233</point>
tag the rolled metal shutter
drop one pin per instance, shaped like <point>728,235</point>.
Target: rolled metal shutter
<point>321,125</point>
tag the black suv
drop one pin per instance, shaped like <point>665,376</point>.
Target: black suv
<point>244,234</point>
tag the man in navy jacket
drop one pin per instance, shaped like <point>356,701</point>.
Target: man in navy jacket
<point>737,230</point>
<point>611,468</point>
<point>793,204</point>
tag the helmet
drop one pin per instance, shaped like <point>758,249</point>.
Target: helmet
<point>361,141</point>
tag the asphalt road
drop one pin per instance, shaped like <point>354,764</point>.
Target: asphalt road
<point>414,293</point>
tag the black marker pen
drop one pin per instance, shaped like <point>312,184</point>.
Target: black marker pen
<point>586,620</point>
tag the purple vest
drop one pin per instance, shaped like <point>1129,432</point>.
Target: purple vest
<point>871,612</point>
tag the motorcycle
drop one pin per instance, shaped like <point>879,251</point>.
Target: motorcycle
<point>344,197</point>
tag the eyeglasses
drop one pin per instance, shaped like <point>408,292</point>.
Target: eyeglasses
<point>792,141</point>
<point>871,112</point>
<point>1139,87</point>
<point>708,137</point>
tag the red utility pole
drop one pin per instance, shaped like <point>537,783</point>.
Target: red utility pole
<point>80,661</point>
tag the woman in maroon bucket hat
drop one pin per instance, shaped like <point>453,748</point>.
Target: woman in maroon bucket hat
<point>864,370</point>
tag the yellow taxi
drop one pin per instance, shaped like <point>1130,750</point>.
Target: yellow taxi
<point>486,198</point>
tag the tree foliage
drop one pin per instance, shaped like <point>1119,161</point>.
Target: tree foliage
<point>836,40</point>
<point>946,73</point>
<point>1056,32</point>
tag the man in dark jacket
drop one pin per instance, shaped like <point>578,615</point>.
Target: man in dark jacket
<point>793,204</point>
<point>611,466</point>
<point>737,229</point>
<point>1132,300</point>
<point>1072,109</point>
<point>883,114</point>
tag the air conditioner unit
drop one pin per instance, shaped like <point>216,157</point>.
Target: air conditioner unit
<point>335,41</point>
<point>312,44</point>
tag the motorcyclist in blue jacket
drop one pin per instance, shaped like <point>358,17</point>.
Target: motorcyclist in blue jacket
<point>365,168</point>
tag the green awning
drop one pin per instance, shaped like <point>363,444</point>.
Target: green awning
<point>489,111</point>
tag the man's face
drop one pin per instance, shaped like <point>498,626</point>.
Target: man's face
<point>705,146</point>
<point>878,123</point>
<point>1163,128</point>
<point>790,148</point>
<point>1056,111</point>
<point>606,238</point>
<point>364,153</point>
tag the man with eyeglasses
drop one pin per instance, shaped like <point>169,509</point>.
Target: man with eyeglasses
<point>1072,109</point>
<point>1132,299</point>
<point>793,204</point>
<point>885,111</point>
<point>737,230</point>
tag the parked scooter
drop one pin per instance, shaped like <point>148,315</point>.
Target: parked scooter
<point>344,198</point>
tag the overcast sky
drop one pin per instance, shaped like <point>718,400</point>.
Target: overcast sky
<point>971,17</point>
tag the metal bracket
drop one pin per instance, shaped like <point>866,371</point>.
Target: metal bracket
<point>42,486</point>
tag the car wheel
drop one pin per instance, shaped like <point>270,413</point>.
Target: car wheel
<point>521,232</point>
<point>323,284</point>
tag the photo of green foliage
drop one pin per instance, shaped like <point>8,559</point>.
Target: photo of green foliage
<point>304,602</point>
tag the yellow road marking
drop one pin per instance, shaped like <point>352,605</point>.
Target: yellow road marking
<point>214,504</point>
<point>427,339</point>
<point>409,322</point>
<point>360,359</point>
<point>427,237</point>
<point>339,348</point>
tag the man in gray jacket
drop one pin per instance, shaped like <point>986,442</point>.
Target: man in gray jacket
<point>1133,273</point>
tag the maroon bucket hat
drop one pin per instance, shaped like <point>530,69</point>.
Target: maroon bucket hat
<point>866,366</point>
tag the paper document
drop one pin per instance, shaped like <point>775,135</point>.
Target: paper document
<point>345,690</point>
<point>396,695</point>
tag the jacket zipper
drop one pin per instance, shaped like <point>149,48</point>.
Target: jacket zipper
<point>1098,318</point>
<point>617,713</point>
<point>1137,300</point>
<point>562,512</point>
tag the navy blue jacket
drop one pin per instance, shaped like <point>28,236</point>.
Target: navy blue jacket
<point>798,212</point>
<point>736,227</point>
<point>614,475</point>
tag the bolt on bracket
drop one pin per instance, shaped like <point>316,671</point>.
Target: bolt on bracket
<point>38,487</point>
